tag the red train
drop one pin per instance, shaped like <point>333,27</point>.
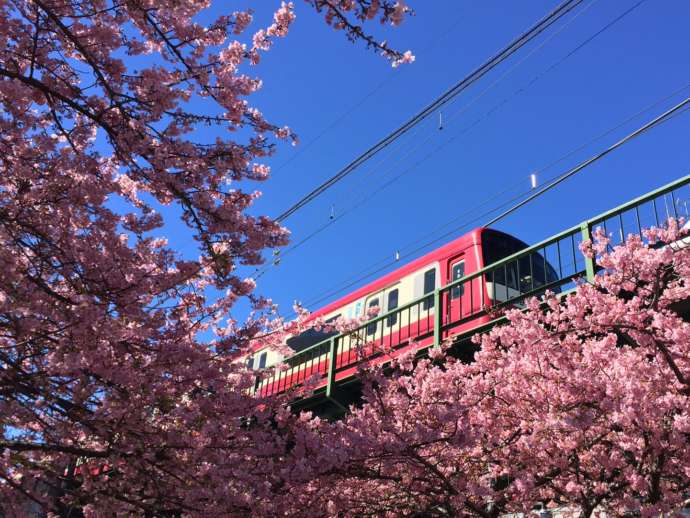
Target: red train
<point>408,316</point>
<point>408,323</point>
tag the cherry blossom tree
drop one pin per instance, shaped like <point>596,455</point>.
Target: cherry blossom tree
<point>99,318</point>
<point>113,404</point>
<point>583,403</point>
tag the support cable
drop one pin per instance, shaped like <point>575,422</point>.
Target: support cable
<point>453,116</point>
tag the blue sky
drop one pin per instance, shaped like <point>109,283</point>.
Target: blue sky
<point>347,98</point>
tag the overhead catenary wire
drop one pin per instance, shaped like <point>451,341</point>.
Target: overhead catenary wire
<point>410,150</point>
<point>560,11</point>
<point>572,152</point>
<point>384,263</point>
<point>407,151</point>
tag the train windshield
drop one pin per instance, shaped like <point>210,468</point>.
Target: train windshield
<point>523,275</point>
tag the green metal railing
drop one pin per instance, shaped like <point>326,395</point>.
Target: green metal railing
<point>450,311</point>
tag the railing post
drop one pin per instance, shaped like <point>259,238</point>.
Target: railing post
<point>332,355</point>
<point>438,317</point>
<point>330,383</point>
<point>590,265</point>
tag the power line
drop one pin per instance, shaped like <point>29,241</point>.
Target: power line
<point>524,88</point>
<point>449,94</point>
<point>584,43</point>
<point>368,195</point>
<point>410,150</point>
<point>558,179</point>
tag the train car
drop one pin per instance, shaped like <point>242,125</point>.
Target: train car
<point>412,325</point>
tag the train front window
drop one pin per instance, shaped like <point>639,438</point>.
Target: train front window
<point>250,362</point>
<point>497,246</point>
<point>429,286</point>
<point>262,360</point>
<point>458,272</point>
<point>535,272</point>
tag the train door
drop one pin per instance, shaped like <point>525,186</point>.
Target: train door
<point>457,304</point>
<point>422,314</point>
<point>373,331</point>
<point>391,324</point>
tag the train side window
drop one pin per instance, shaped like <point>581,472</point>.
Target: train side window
<point>457,272</point>
<point>250,362</point>
<point>392,304</point>
<point>429,286</point>
<point>371,328</point>
<point>262,360</point>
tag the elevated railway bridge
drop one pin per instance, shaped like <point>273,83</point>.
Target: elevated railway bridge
<point>468,305</point>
